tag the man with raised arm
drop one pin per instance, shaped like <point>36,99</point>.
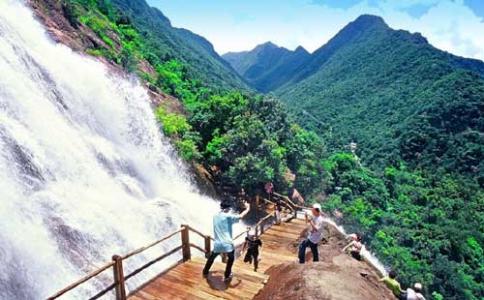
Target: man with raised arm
<point>222,231</point>
<point>314,236</point>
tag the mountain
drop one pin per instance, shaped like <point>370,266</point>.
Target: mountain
<point>370,84</point>
<point>193,50</point>
<point>416,114</point>
<point>267,66</point>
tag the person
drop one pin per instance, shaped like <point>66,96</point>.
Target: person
<point>391,282</point>
<point>355,246</point>
<point>222,230</point>
<point>314,236</point>
<point>278,208</point>
<point>252,244</point>
<point>415,293</point>
<point>269,188</point>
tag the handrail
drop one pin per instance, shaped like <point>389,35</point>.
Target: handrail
<point>274,203</point>
<point>174,250</point>
<point>240,234</point>
<point>263,219</point>
<point>117,261</point>
<point>198,248</point>
<point>116,264</point>
<point>286,198</point>
<point>139,250</point>
<point>81,281</point>
<point>197,232</point>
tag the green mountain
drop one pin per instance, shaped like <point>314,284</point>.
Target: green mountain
<point>267,66</point>
<point>392,93</point>
<point>416,114</point>
<point>168,42</point>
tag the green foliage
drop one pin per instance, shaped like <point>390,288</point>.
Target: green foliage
<point>173,124</point>
<point>395,95</point>
<point>267,66</point>
<point>170,76</point>
<point>162,43</point>
<point>427,227</point>
<point>177,127</point>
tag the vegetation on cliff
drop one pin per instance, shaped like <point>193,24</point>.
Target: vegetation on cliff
<point>244,139</point>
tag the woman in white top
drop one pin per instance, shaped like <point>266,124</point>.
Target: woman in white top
<point>355,246</point>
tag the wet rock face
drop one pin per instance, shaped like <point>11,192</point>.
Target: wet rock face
<point>52,14</point>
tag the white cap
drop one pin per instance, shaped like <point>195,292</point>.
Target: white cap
<point>417,286</point>
<point>317,205</point>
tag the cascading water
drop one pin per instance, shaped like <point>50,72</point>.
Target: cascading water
<point>84,170</point>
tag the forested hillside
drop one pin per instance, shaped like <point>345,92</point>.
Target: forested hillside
<point>373,81</point>
<point>243,140</point>
<point>162,42</point>
<point>267,66</point>
<point>415,112</point>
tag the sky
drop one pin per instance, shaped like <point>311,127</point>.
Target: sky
<point>456,26</point>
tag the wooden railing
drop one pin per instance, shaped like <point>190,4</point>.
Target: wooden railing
<point>119,278</point>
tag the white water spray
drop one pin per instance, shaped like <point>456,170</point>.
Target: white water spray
<point>84,171</point>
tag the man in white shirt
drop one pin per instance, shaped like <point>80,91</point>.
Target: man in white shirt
<point>314,236</point>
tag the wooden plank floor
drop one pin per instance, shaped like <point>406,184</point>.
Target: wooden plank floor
<point>185,281</point>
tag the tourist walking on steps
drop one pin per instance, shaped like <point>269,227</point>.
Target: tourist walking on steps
<point>315,234</point>
<point>222,231</point>
<point>391,282</point>
<point>252,244</point>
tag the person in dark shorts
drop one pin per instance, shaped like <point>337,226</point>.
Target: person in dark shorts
<point>252,244</point>
<point>355,246</point>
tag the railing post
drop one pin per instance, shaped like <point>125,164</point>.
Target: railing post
<point>119,278</point>
<point>185,238</point>
<point>207,246</point>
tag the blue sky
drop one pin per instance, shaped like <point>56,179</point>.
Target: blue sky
<point>456,26</point>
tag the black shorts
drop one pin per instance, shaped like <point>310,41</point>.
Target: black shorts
<point>356,255</point>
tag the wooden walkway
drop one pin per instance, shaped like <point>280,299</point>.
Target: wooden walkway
<point>185,281</point>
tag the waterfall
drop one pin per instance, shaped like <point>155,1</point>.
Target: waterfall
<point>85,172</point>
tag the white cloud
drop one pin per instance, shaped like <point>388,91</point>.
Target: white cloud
<point>449,25</point>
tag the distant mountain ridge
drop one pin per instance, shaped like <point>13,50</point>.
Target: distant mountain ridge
<point>369,83</point>
<point>267,66</point>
